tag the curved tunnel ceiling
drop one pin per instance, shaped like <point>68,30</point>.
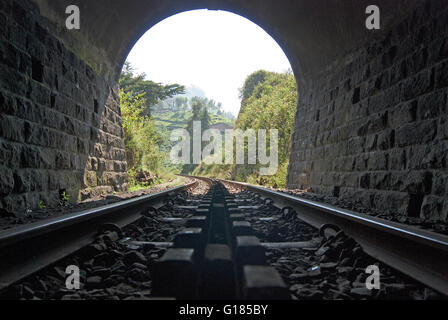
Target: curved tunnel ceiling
<point>312,34</point>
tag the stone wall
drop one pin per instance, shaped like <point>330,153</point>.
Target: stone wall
<point>373,128</point>
<point>60,123</point>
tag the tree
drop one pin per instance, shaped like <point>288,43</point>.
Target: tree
<point>142,141</point>
<point>200,114</point>
<point>271,105</point>
<point>205,119</point>
<point>250,84</point>
<point>136,84</point>
<point>181,103</point>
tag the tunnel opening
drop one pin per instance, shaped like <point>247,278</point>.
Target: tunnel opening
<point>226,101</point>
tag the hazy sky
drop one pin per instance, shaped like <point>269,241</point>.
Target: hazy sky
<point>213,50</point>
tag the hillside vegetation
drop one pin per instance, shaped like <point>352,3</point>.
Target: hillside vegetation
<point>269,101</point>
<point>150,112</point>
<point>179,113</point>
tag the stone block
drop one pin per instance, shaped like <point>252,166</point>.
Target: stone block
<point>90,179</point>
<point>40,94</point>
<point>242,228</point>
<point>192,238</point>
<point>432,105</point>
<point>440,187</point>
<point>396,202</point>
<point>6,181</point>
<point>412,182</point>
<point>434,209</point>
<point>402,114</point>
<point>175,275</point>
<point>377,161</point>
<point>416,133</point>
<point>198,222</point>
<point>249,251</point>
<point>12,128</point>
<point>441,75</point>
<point>428,156</point>
<point>219,277</point>
<point>443,128</point>
<point>386,139</point>
<point>417,85</point>
<point>264,283</point>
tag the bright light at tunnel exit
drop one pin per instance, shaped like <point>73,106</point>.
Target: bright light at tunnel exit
<point>212,50</point>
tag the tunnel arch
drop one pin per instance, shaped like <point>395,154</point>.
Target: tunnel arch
<point>312,34</point>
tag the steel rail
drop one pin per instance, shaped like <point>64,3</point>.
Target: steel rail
<point>27,249</point>
<point>420,254</point>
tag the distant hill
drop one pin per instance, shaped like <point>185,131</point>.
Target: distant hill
<point>174,113</point>
<point>183,102</point>
<point>193,91</point>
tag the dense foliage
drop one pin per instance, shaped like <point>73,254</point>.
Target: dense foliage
<point>272,105</point>
<point>269,101</point>
<point>142,141</point>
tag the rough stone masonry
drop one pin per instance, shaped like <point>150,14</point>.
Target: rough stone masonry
<point>374,127</point>
<point>60,123</point>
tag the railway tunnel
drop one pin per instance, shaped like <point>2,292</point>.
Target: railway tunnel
<point>370,126</point>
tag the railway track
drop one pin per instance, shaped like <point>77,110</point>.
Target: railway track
<point>421,254</point>
<point>235,241</point>
<point>29,248</point>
